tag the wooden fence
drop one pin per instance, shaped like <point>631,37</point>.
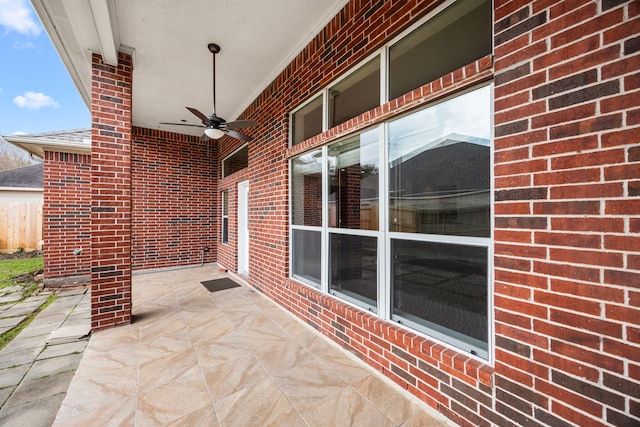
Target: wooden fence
<point>20,224</point>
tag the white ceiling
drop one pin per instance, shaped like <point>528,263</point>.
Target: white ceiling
<point>168,39</point>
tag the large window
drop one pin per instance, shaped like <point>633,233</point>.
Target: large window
<point>456,35</point>
<point>420,255</point>
<point>397,219</point>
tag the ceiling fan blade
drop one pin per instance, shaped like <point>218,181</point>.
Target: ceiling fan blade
<point>180,124</point>
<point>237,135</point>
<point>241,124</point>
<point>198,114</point>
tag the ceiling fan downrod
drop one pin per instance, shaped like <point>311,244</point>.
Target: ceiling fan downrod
<point>214,49</point>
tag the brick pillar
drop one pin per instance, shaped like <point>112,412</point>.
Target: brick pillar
<point>111,192</point>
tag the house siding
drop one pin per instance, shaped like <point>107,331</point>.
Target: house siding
<point>67,217</point>
<point>567,217</point>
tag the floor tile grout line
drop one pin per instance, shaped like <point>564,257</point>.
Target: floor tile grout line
<point>211,400</point>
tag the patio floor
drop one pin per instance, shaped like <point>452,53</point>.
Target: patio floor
<point>230,358</point>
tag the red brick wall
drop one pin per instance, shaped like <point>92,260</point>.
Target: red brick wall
<point>567,159</point>
<point>567,277</point>
<point>111,192</point>
<point>175,201</point>
<point>67,218</point>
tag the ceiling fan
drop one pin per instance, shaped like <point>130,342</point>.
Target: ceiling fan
<point>217,127</point>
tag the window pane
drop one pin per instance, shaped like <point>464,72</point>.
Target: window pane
<point>354,267</point>
<point>306,189</point>
<point>225,230</point>
<point>306,255</point>
<point>236,162</point>
<point>225,217</point>
<point>225,202</point>
<point>307,121</point>
<point>439,168</point>
<point>442,287</point>
<point>357,93</point>
<point>454,38</point>
<point>353,182</point>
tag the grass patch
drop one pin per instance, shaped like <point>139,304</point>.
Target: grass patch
<point>13,332</point>
<point>13,268</point>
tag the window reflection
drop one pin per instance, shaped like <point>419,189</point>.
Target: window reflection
<point>306,189</point>
<point>307,250</point>
<point>442,287</point>
<point>353,182</point>
<point>307,121</point>
<point>354,268</point>
<point>439,168</point>
<point>457,36</point>
<point>354,95</point>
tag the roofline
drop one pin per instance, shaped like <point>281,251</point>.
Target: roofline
<point>37,146</point>
<point>54,36</point>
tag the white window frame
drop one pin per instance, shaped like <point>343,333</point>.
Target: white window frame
<point>384,236</point>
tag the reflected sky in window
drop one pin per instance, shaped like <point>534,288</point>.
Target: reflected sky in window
<point>464,118</point>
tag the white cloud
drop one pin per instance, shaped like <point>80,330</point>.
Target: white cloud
<point>18,133</point>
<point>35,101</point>
<point>15,15</point>
<point>21,45</point>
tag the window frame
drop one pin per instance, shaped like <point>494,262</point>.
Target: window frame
<point>385,236</point>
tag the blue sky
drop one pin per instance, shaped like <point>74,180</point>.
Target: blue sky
<point>36,92</point>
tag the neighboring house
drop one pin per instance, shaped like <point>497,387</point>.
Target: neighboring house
<point>21,202</point>
<point>450,190</point>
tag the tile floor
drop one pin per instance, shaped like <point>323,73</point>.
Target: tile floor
<point>229,358</point>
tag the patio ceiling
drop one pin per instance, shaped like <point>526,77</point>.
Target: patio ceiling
<point>168,40</point>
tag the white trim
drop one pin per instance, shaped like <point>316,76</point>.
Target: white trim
<point>22,189</point>
<point>105,22</point>
<point>38,146</point>
<point>242,246</point>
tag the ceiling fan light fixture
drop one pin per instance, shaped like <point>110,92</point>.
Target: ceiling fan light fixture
<point>214,133</point>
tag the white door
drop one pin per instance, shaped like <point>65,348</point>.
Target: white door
<point>243,228</point>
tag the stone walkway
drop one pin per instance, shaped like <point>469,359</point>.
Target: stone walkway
<point>34,375</point>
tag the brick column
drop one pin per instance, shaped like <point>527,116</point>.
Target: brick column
<point>111,193</point>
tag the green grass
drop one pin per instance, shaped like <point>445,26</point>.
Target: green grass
<point>12,333</point>
<point>12,268</point>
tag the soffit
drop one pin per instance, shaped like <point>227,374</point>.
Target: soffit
<point>168,39</point>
